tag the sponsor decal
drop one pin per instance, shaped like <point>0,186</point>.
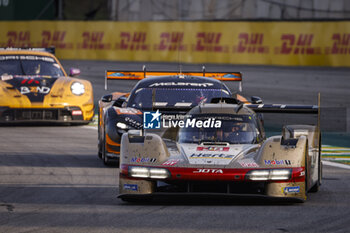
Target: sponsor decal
<point>132,187</point>
<point>171,42</point>
<point>298,44</point>
<point>278,162</point>
<point>30,81</point>
<point>143,160</point>
<point>214,156</point>
<point>181,84</point>
<point>133,122</point>
<point>93,40</point>
<point>40,90</point>
<point>132,41</point>
<point>151,120</point>
<point>251,43</point>
<point>77,112</point>
<point>209,42</point>
<point>293,189</point>
<point>214,171</point>
<point>249,164</point>
<point>6,77</point>
<point>171,162</point>
<point>117,74</point>
<point>29,57</point>
<point>212,148</point>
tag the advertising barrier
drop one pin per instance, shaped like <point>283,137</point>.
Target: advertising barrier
<point>256,43</point>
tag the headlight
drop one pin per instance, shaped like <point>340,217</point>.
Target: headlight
<point>121,125</point>
<point>77,88</point>
<point>280,174</point>
<point>158,173</point>
<point>258,175</point>
<point>145,172</point>
<point>140,172</point>
<point>273,174</point>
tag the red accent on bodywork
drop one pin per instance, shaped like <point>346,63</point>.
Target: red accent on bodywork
<point>217,174</point>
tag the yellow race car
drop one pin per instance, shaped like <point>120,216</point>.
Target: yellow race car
<point>34,87</point>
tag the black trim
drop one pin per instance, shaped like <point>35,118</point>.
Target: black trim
<point>217,196</point>
<point>11,115</point>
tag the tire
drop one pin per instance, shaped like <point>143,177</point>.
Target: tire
<point>104,156</point>
<point>99,152</point>
<point>316,186</point>
<point>99,149</point>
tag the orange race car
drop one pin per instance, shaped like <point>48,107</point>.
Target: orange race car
<point>34,87</point>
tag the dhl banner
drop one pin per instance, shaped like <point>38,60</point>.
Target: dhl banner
<point>262,43</point>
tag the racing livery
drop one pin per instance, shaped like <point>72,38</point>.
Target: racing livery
<point>170,93</point>
<point>35,88</point>
<point>221,148</point>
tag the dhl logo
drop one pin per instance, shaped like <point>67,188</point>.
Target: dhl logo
<point>297,44</point>
<point>341,44</point>
<point>35,89</point>
<point>93,40</point>
<point>171,42</point>
<point>18,39</point>
<point>54,38</point>
<point>250,43</point>
<point>132,41</point>
<point>209,41</point>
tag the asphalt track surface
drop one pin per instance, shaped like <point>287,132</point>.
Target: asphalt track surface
<point>51,179</point>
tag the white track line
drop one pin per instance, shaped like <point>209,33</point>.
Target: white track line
<point>89,127</point>
<point>328,163</point>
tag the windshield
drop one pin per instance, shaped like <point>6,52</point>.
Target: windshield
<point>173,97</point>
<point>235,129</point>
<point>29,65</point>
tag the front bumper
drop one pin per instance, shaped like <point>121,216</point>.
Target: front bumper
<point>38,115</point>
<point>226,182</point>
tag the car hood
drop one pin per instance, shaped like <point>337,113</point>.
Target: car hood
<point>242,154</point>
<point>34,87</point>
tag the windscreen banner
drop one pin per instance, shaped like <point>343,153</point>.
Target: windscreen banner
<point>252,43</point>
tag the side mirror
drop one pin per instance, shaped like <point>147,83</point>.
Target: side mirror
<point>74,72</point>
<point>120,102</point>
<point>107,98</point>
<point>256,100</point>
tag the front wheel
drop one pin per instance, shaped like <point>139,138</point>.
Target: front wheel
<point>104,156</point>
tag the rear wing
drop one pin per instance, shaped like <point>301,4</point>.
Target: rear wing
<point>283,108</point>
<point>138,75</point>
<point>288,108</point>
<point>49,50</point>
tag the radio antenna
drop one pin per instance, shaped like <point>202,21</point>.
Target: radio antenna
<point>144,70</point>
